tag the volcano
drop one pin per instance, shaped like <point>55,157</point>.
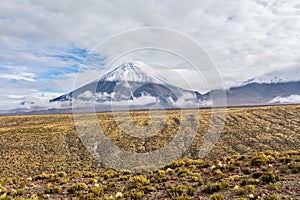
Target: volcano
<point>129,82</point>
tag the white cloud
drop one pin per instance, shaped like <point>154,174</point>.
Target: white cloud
<point>15,96</point>
<point>22,76</point>
<point>245,39</point>
<point>289,99</point>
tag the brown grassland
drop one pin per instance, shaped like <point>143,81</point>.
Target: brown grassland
<point>256,156</point>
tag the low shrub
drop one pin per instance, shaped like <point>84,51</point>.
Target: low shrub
<point>54,190</point>
<point>295,167</point>
<point>78,187</point>
<point>218,173</point>
<point>136,194</point>
<point>96,191</point>
<point>248,189</point>
<point>19,192</point>
<point>271,197</point>
<point>269,177</point>
<point>259,159</point>
<point>212,188</point>
<point>183,172</point>
<point>176,191</point>
<point>217,196</point>
<point>141,183</point>
<point>196,177</point>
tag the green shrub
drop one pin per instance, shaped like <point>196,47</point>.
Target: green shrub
<point>183,172</point>
<point>54,190</point>
<point>218,173</point>
<point>136,194</point>
<point>272,153</point>
<point>161,176</point>
<point>234,178</point>
<point>54,179</point>
<point>257,174</point>
<point>233,164</point>
<point>176,164</point>
<point>176,191</point>
<point>124,178</point>
<point>7,198</point>
<point>295,167</point>
<point>89,175</point>
<point>246,190</point>
<point>108,174</point>
<point>212,188</point>
<point>110,185</point>
<point>252,181</point>
<point>246,170</point>
<point>190,191</point>
<point>259,159</point>
<point>96,191</point>
<point>285,159</point>
<point>217,196</point>
<point>271,197</point>
<point>78,187</point>
<point>196,177</point>
<point>141,183</point>
<point>42,176</point>
<point>224,184</point>
<point>19,192</point>
<point>269,177</point>
<point>198,163</point>
<point>22,184</point>
<point>62,174</point>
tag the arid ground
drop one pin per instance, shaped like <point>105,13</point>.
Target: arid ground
<point>256,156</point>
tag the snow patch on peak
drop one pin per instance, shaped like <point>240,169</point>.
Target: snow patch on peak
<point>279,76</point>
<point>129,71</point>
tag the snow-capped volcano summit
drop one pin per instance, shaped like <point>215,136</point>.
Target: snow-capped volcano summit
<point>129,71</point>
<point>129,82</point>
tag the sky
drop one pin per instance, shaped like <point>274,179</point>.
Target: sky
<point>45,44</point>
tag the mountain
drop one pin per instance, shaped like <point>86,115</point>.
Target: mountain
<point>278,76</point>
<point>128,82</point>
<point>276,87</point>
<point>261,93</point>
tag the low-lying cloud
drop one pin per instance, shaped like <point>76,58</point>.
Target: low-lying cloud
<point>286,100</point>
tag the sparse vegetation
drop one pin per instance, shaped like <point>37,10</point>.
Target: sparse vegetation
<point>177,191</point>
<point>269,177</point>
<point>183,182</point>
<point>248,189</point>
<point>259,159</point>
<point>76,188</point>
<point>295,167</point>
<point>141,183</point>
<point>212,188</point>
<point>54,190</point>
<point>217,196</point>
<point>271,197</point>
<point>49,162</point>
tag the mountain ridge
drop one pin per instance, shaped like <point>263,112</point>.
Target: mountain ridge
<point>129,82</point>
<point>278,76</point>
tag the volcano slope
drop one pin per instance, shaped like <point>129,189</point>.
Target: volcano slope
<point>42,157</point>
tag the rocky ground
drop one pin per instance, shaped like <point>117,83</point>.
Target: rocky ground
<point>266,175</point>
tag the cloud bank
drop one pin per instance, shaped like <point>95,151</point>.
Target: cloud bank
<point>44,43</point>
<point>286,100</point>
